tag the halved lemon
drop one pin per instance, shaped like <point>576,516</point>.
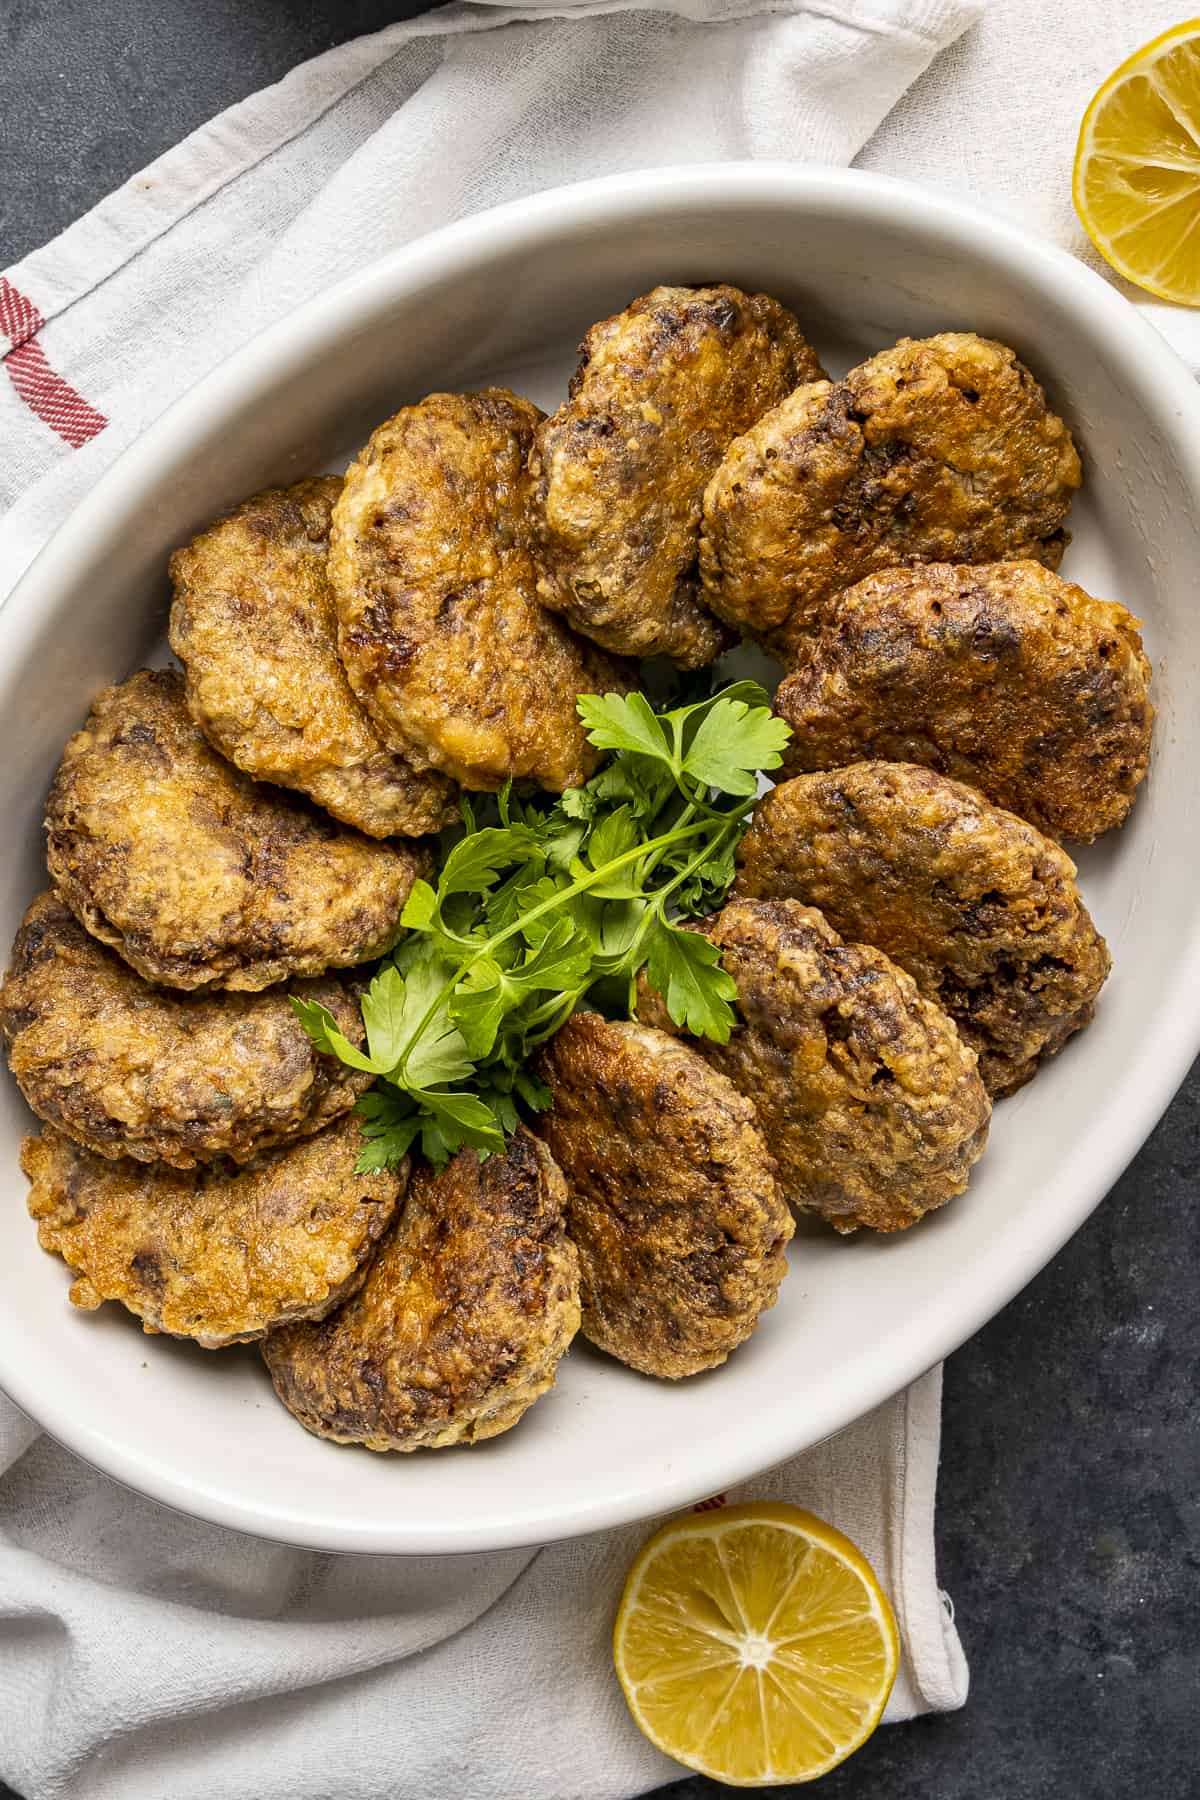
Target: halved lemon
<point>755,1644</point>
<point>1137,167</point>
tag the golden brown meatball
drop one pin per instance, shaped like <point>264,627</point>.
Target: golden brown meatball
<point>130,1070</point>
<point>197,876</point>
<point>869,1099</point>
<point>253,624</point>
<point>462,1321</point>
<point>977,905</point>
<point>620,468</point>
<point>1003,676</point>
<point>672,1201</point>
<point>220,1254</point>
<point>940,449</point>
<point>440,630</point>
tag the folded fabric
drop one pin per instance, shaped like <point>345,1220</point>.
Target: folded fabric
<point>142,1654</point>
<point>995,120</point>
<point>387,137</point>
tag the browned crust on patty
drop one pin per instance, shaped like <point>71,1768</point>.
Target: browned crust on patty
<point>220,1254</point>
<point>672,1200</point>
<point>462,1321</point>
<point>939,449</point>
<point>196,875</point>
<point>979,907</point>
<point>869,1099</point>
<point>440,631</point>
<point>126,1069</point>
<point>1003,676</point>
<point>620,469</point>
<point>252,622</point>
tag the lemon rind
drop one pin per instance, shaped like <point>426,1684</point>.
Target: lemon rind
<point>813,1530</point>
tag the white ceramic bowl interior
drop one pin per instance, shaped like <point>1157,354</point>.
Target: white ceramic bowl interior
<point>505,297</point>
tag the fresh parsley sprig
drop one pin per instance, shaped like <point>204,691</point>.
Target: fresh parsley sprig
<point>554,903</point>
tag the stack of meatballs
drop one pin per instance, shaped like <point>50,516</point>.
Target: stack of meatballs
<point>905,931</point>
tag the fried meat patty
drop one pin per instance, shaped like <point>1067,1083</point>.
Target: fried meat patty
<point>462,1321</point>
<point>671,1195</point>
<point>253,624</point>
<point>620,468</point>
<point>939,449</point>
<point>196,875</point>
<point>126,1069</point>
<point>440,631</point>
<point>1003,676</point>
<point>870,1101</point>
<point>220,1254</point>
<point>975,903</point>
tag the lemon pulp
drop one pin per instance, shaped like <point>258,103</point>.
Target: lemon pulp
<point>755,1644</point>
<point>1137,166</point>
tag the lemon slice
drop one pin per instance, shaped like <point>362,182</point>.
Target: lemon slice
<point>1137,167</point>
<point>755,1645</point>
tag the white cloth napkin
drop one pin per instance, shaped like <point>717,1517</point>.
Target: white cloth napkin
<point>365,148</point>
<point>143,1655</point>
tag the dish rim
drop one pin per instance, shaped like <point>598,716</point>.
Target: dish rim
<point>1167,396</point>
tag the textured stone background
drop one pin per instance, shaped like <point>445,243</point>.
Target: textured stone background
<point>1069,1528</point>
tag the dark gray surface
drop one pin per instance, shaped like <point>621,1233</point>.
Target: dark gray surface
<point>1069,1528</point>
<point>1069,1523</point>
<point>92,90</point>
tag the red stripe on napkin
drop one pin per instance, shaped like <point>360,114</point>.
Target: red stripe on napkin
<point>54,400</point>
<point>19,317</point>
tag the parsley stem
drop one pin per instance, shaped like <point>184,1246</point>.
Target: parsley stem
<point>685,822</point>
<point>655,912</point>
<point>583,882</point>
<point>579,886</point>
<point>656,856</point>
<point>548,1019</point>
<point>559,1008</point>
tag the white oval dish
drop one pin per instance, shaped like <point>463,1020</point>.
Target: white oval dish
<point>505,296</point>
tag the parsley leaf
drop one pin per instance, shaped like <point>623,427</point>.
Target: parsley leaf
<point>391,1124</point>
<point>642,785</point>
<point>613,837</point>
<point>479,1006</point>
<point>686,970</point>
<point>561,960</point>
<point>420,909</point>
<point>478,861</point>
<point>383,1011</point>
<point>562,902</point>
<point>732,743</point>
<point>624,722</point>
<point>322,1028</point>
<point>433,1049</point>
<point>533,1091</point>
<point>452,1120</point>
